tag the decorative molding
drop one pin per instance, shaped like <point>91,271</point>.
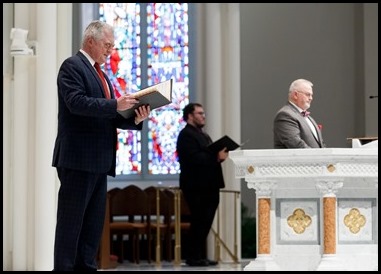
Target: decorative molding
<point>357,220</point>
<point>311,163</point>
<point>354,220</point>
<point>331,168</point>
<point>297,221</point>
<point>263,188</point>
<point>328,188</point>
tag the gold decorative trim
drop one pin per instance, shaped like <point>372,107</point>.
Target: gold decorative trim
<point>250,169</point>
<point>331,168</point>
<point>354,220</point>
<point>299,221</point>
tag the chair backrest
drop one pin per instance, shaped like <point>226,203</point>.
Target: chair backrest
<point>110,194</point>
<point>113,190</point>
<point>130,214</point>
<point>130,201</point>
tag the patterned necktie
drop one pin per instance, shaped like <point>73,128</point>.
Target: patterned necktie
<point>305,113</point>
<point>103,80</point>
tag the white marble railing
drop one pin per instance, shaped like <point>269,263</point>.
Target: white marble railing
<point>317,209</point>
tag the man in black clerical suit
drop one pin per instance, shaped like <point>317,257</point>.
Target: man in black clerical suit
<point>200,180</point>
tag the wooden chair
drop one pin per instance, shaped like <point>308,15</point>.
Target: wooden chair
<point>130,215</point>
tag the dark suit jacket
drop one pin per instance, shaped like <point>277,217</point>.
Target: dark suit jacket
<point>199,166</point>
<point>87,123</point>
<point>291,130</point>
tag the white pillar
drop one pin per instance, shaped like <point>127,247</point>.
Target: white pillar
<point>230,115</point>
<point>46,128</point>
<point>8,9</point>
<point>31,184</point>
<point>221,95</point>
<point>213,64</point>
<point>22,181</point>
<point>20,161</point>
<point>232,87</point>
<point>213,85</point>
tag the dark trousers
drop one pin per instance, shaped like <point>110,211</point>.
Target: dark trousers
<point>203,205</point>
<point>80,219</point>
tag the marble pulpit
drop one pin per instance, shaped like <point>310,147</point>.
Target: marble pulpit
<point>317,209</point>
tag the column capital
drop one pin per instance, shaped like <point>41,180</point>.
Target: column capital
<point>263,188</point>
<point>328,188</point>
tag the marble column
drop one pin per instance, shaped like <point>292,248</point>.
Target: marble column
<point>329,212</point>
<point>264,225</point>
<point>328,189</point>
<point>264,260</point>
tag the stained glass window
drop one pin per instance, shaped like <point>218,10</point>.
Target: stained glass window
<point>151,46</point>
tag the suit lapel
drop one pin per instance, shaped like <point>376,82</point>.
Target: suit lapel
<point>96,76</point>
<point>318,139</point>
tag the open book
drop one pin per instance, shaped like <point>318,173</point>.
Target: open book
<point>155,96</point>
<point>224,141</point>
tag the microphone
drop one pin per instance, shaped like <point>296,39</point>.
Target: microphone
<point>373,96</point>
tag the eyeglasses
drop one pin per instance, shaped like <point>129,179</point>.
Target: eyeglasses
<point>109,46</point>
<point>200,113</point>
<point>308,94</point>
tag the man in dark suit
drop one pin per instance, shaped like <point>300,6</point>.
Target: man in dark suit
<point>200,180</point>
<point>85,148</point>
<point>293,126</point>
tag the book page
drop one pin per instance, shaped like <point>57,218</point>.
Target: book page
<point>164,88</point>
<point>155,96</point>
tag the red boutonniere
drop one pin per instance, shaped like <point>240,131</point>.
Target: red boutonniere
<point>320,126</point>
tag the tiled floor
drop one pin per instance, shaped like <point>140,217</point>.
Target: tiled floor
<point>168,266</point>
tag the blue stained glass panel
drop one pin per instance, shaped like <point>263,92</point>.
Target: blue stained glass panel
<point>166,51</point>
<point>123,68</point>
<point>167,57</point>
